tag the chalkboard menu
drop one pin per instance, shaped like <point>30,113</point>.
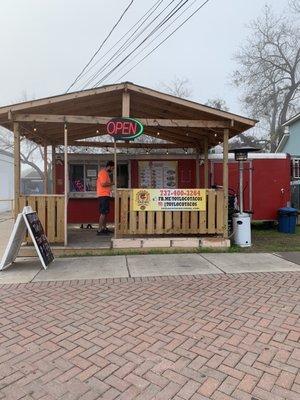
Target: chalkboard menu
<point>39,238</point>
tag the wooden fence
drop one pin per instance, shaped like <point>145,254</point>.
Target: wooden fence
<point>50,209</point>
<point>171,222</point>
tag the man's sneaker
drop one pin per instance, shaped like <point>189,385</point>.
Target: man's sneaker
<point>102,232</point>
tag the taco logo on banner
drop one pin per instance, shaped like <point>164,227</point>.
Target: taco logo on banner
<point>142,199</point>
<point>169,200</point>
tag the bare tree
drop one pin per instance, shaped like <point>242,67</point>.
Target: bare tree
<point>30,153</point>
<point>269,71</point>
<point>295,6</point>
<point>218,103</point>
<point>179,87</point>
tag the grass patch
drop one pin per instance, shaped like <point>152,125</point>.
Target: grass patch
<point>132,252</point>
<point>265,239</point>
<point>270,240</point>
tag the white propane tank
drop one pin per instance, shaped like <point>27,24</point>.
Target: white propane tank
<point>242,229</point>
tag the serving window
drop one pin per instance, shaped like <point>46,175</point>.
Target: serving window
<point>83,176</point>
<point>76,178</point>
<point>91,174</point>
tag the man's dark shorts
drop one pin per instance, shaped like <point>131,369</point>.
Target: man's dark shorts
<point>104,204</point>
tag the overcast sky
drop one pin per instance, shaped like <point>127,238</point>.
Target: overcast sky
<point>45,44</point>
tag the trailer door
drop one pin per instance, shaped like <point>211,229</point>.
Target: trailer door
<point>216,176</point>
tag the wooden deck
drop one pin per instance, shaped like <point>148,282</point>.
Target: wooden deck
<point>139,223</point>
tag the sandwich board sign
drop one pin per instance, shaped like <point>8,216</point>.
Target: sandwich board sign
<point>27,220</point>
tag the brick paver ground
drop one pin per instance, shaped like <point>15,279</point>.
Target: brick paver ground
<point>206,337</point>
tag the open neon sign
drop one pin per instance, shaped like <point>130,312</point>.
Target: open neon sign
<point>124,128</point>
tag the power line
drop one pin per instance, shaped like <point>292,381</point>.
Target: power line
<point>128,44</point>
<point>102,44</point>
<point>164,40</point>
<point>153,40</point>
<point>174,11</point>
<point>137,25</point>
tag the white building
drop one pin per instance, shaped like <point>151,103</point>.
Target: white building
<point>6,180</point>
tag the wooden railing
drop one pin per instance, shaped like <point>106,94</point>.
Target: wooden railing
<point>171,222</point>
<point>50,209</point>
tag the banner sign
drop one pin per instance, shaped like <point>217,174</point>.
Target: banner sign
<point>169,200</point>
<point>124,128</point>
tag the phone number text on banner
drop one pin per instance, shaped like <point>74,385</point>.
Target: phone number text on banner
<point>169,200</point>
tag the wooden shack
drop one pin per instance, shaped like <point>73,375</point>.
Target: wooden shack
<point>175,123</point>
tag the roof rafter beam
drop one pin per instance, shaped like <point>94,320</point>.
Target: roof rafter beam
<point>130,145</point>
<point>83,119</point>
<point>189,104</point>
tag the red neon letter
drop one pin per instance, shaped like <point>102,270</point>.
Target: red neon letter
<point>111,128</point>
<point>132,127</point>
<point>119,127</point>
<point>126,126</point>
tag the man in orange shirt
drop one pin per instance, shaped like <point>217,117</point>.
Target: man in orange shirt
<point>104,185</point>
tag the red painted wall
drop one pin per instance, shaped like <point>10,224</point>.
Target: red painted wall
<point>186,174</point>
<point>233,182</point>
<point>86,211</point>
<point>269,177</point>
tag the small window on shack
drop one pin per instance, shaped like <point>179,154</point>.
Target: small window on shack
<point>123,174</point>
<point>83,176</point>
<point>91,174</point>
<point>296,168</point>
<point>76,178</point>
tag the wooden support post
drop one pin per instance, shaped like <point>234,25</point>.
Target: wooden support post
<point>225,181</point>
<point>125,113</point>
<point>66,182</point>
<point>198,169</point>
<point>53,168</point>
<point>126,104</point>
<point>45,169</point>
<point>17,167</point>
<point>206,176</point>
<point>116,192</point>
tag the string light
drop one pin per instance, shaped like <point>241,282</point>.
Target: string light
<point>97,130</point>
<point>167,152</point>
<point>216,135</point>
<point>34,127</point>
<point>158,133</point>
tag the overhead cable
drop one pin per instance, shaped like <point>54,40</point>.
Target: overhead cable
<point>134,37</point>
<point>157,36</point>
<point>164,40</point>
<point>137,25</point>
<point>174,11</point>
<point>101,45</point>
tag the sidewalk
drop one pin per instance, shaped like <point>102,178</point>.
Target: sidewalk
<point>26,270</point>
<point>151,327</point>
<point>216,336</point>
<point>135,266</point>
